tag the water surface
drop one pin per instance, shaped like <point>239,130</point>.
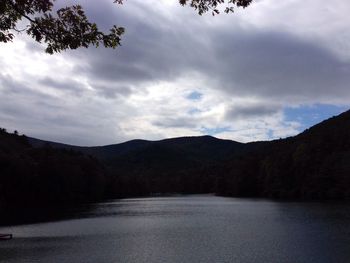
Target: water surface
<point>187,229</point>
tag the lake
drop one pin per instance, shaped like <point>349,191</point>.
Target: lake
<point>187,229</point>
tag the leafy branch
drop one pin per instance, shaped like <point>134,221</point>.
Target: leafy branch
<point>67,28</point>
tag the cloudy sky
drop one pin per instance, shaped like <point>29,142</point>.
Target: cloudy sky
<point>269,71</point>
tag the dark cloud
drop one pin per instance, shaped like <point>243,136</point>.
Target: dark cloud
<point>10,86</point>
<point>21,103</point>
<point>252,110</point>
<point>151,50</point>
<point>7,83</point>
<point>112,92</point>
<point>65,85</point>
<point>274,64</point>
<point>238,61</point>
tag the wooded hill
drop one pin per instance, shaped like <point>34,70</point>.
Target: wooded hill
<point>178,165</point>
<point>45,175</point>
<point>312,165</point>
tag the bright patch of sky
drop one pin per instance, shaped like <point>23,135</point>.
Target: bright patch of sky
<point>195,95</point>
<point>215,131</point>
<point>310,115</point>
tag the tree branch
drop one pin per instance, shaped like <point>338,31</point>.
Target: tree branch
<point>23,14</point>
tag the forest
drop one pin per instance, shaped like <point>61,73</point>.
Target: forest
<point>312,165</point>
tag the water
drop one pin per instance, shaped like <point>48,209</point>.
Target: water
<point>187,229</point>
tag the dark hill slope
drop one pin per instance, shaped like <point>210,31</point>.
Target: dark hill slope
<point>178,153</point>
<point>312,165</point>
<point>102,152</point>
<point>140,167</point>
<point>44,175</point>
<point>201,147</point>
<point>184,165</point>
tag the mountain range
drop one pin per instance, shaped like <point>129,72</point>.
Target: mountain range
<point>312,165</point>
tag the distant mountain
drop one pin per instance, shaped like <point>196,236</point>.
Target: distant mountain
<point>101,152</point>
<point>201,147</point>
<point>312,165</point>
<point>140,167</point>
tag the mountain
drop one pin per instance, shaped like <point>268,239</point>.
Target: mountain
<point>140,167</point>
<point>200,147</point>
<point>312,165</point>
<point>44,175</point>
<point>102,152</point>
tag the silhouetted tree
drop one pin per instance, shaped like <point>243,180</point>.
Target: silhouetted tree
<point>204,6</point>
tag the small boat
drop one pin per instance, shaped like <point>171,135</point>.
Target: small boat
<point>5,236</point>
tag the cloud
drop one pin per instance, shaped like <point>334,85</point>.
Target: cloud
<point>252,110</point>
<point>179,74</point>
<point>178,122</point>
<point>281,66</point>
<point>69,85</point>
<point>240,59</point>
<point>112,92</point>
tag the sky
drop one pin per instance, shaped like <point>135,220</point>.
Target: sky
<point>269,71</point>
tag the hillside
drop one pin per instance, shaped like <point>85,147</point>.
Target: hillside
<point>39,176</point>
<point>139,167</point>
<point>312,165</point>
<point>200,147</point>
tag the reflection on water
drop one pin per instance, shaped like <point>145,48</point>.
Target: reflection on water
<point>187,229</point>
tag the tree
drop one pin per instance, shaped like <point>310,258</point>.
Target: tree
<point>204,6</point>
<point>69,28</point>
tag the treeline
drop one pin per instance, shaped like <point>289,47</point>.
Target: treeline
<point>41,176</point>
<point>184,165</point>
<point>312,165</point>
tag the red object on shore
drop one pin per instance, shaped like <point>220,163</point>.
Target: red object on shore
<point>5,236</point>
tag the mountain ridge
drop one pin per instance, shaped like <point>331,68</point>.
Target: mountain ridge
<point>314,164</point>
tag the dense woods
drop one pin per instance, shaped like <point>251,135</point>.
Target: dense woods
<point>312,165</point>
<point>41,176</point>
